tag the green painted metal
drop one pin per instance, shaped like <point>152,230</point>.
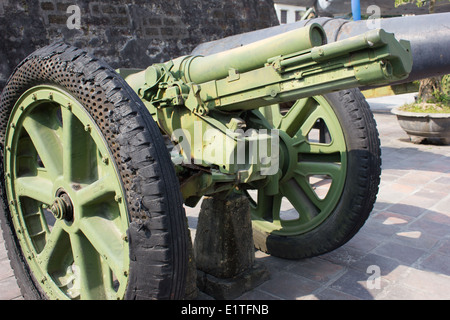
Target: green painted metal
<point>372,58</point>
<point>65,197</point>
<point>246,58</point>
<point>226,94</point>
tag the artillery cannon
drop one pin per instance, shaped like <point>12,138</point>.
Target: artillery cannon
<point>93,197</point>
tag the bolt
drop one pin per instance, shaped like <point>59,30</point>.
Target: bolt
<point>50,96</point>
<point>87,128</point>
<point>34,97</point>
<point>125,238</point>
<point>61,208</point>
<point>118,198</point>
<point>56,212</point>
<point>200,111</point>
<point>105,160</point>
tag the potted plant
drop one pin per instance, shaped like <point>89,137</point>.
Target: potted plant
<point>427,120</point>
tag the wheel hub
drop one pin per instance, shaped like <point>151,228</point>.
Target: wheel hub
<point>62,208</point>
<point>288,155</point>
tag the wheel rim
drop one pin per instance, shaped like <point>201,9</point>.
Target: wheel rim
<point>313,162</point>
<point>66,198</point>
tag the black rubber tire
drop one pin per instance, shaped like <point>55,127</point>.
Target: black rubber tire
<point>359,193</point>
<point>157,233</point>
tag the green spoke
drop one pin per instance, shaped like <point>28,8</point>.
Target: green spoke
<point>304,184</point>
<point>89,267</point>
<point>96,192</point>
<point>337,143</point>
<point>319,148</point>
<point>35,188</point>
<point>109,282</point>
<point>310,121</point>
<point>276,207</point>
<point>267,205</point>
<point>301,200</point>
<point>69,154</point>
<point>106,239</point>
<point>319,168</point>
<point>57,246</point>
<point>42,131</point>
<point>79,149</point>
<point>297,115</point>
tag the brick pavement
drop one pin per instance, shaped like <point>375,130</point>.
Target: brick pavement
<point>406,238</point>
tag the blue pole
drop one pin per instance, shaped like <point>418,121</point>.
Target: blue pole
<point>356,10</point>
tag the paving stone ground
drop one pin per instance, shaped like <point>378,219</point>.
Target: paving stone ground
<point>406,240</point>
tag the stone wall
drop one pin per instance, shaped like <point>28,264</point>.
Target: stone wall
<point>125,33</point>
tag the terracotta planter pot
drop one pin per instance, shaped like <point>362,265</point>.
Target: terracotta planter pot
<point>425,127</point>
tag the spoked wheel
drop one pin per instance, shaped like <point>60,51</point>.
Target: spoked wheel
<point>86,212</point>
<point>330,168</point>
<point>65,197</point>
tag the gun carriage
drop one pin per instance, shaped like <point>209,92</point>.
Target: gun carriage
<point>97,163</point>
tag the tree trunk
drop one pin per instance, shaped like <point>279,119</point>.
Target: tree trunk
<point>431,6</point>
<point>429,86</point>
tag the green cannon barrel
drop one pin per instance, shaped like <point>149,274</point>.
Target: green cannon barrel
<point>283,68</point>
<point>199,69</point>
<point>371,58</point>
